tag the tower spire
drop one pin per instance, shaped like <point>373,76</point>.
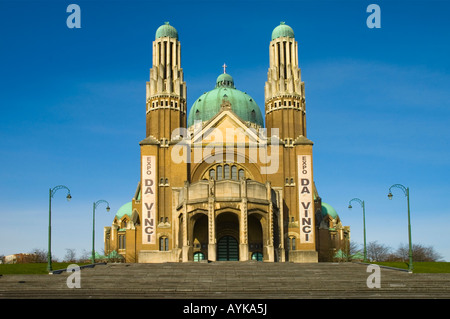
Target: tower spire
<point>166,89</point>
<point>284,89</point>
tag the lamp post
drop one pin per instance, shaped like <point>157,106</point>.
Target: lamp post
<point>361,202</point>
<point>93,225</point>
<point>406,192</point>
<point>51,194</point>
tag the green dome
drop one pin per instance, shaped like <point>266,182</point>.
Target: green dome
<point>283,30</point>
<point>166,30</point>
<point>225,80</point>
<point>328,210</point>
<point>124,210</point>
<point>242,104</point>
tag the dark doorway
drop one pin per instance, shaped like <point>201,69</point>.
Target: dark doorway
<point>227,249</point>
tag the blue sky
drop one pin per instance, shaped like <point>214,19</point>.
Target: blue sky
<point>73,107</point>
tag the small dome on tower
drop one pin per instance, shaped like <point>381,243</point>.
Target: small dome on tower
<point>283,30</point>
<point>166,30</point>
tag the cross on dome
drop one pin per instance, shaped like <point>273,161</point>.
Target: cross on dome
<point>224,68</point>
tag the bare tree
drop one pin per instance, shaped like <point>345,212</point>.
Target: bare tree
<point>419,252</point>
<point>85,256</point>
<point>70,255</point>
<point>377,252</point>
<point>39,255</point>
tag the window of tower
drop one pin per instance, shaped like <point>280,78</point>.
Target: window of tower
<point>292,243</point>
<point>122,242</point>
<point>163,243</point>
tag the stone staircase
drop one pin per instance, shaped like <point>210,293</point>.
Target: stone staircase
<point>227,280</point>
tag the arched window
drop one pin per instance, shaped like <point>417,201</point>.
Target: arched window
<point>163,243</point>
<point>226,171</point>
<point>219,173</point>
<point>292,243</point>
<point>234,172</point>
<point>257,256</point>
<point>122,242</point>
<point>199,256</point>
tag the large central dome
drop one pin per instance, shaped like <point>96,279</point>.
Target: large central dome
<point>242,104</point>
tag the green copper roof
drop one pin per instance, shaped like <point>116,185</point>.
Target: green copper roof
<point>242,104</point>
<point>124,210</point>
<point>283,30</point>
<point>328,210</point>
<point>166,30</point>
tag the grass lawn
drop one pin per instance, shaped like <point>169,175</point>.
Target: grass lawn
<point>31,268</point>
<point>420,267</point>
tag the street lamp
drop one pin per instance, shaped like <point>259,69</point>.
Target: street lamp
<point>361,202</point>
<point>93,225</point>
<point>406,192</point>
<point>51,194</point>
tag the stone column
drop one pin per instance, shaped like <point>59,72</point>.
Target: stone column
<point>269,244</point>
<point>243,223</point>
<point>211,222</point>
<point>281,251</point>
<point>185,249</point>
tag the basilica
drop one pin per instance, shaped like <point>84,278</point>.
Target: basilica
<point>220,181</point>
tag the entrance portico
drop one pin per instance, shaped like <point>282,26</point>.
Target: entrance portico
<point>227,220</point>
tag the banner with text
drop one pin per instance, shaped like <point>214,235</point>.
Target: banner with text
<point>148,199</point>
<point>305,195</point>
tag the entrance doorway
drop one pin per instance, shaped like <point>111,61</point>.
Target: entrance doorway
<point>227,249</point>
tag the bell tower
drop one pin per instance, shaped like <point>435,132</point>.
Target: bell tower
<point>285,112</point>
<point>165,115</point>
<point>284,89</point>
<point>166,90</point>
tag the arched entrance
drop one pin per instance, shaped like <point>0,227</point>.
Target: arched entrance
<point>227,232</point>
<point>255,237</point>
<point>227,249</point>
<point>199,236</point>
